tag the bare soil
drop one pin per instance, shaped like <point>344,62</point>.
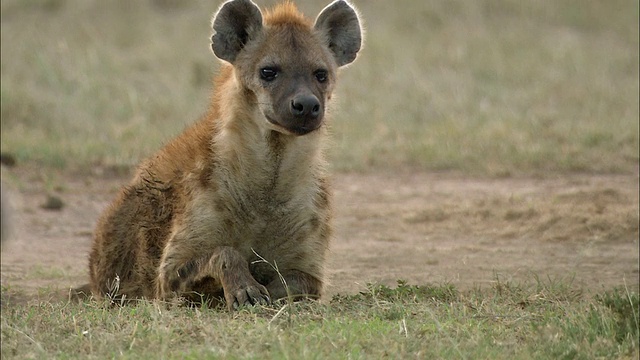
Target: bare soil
<point>420,227</point>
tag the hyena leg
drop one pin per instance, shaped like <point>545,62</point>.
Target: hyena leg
<point>300,285</point>
<point>225,266</point>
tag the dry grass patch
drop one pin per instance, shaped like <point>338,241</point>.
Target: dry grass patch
<point>540,319</point>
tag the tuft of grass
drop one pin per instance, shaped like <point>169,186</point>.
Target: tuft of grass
<point>624,306</point>
<point>404,293</point>
<point>408,321</point>
<point>490,87</point>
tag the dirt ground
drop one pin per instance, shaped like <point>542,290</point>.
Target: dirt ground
<point>420,227</point>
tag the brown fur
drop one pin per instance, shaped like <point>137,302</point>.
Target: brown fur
<point>234,188</point>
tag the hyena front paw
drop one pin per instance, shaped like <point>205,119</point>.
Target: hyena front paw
<point>249,293</point>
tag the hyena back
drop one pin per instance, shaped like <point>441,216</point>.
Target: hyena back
<point>243,191</point>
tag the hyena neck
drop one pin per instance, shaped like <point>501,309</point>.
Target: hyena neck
<point>256,155</point>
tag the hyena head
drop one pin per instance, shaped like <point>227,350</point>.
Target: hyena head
<point>287,63</point>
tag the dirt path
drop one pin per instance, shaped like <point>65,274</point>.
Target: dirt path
<point>420,227</point>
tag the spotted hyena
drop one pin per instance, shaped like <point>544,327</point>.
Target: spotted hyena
<point>244,190</point>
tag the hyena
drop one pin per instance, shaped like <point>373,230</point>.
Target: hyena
<point>239,205</point>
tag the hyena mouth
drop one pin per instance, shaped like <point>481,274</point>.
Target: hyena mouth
<point>296,126</point>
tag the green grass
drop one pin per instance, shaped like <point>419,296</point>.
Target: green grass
<point>541,319</point>
<point>493,87</point>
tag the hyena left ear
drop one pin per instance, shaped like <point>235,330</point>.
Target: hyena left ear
<point>340,26</point>
<point>237,22</point>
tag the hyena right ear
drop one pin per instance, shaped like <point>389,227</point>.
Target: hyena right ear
<point>237,22</point>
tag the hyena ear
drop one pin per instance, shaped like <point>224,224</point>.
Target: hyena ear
<point>237,22</point>
<point>340,26</point>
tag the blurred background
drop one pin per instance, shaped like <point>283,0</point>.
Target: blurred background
<point>482,87</point>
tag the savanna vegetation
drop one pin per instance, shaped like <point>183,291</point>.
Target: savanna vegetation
<point>489,88</point>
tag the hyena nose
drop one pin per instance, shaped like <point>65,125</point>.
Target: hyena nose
<point>305,106</point>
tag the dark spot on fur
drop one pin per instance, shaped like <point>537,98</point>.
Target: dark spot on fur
<point>314,222</point>
<point>205,177</point>
<point>323,195</point>
<point>188,269</point>
<point>219,205</point>
<point>175,284</point>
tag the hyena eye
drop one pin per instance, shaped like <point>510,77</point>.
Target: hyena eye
<point>268,73</point>
<point>321,75</point>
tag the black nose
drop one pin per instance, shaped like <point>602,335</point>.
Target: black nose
<point>305,106</point>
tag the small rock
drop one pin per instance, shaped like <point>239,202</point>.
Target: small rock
<point>7,159</point>
<point>52,203</point>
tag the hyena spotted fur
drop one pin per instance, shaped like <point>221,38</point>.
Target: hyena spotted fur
<point>244,190</point>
